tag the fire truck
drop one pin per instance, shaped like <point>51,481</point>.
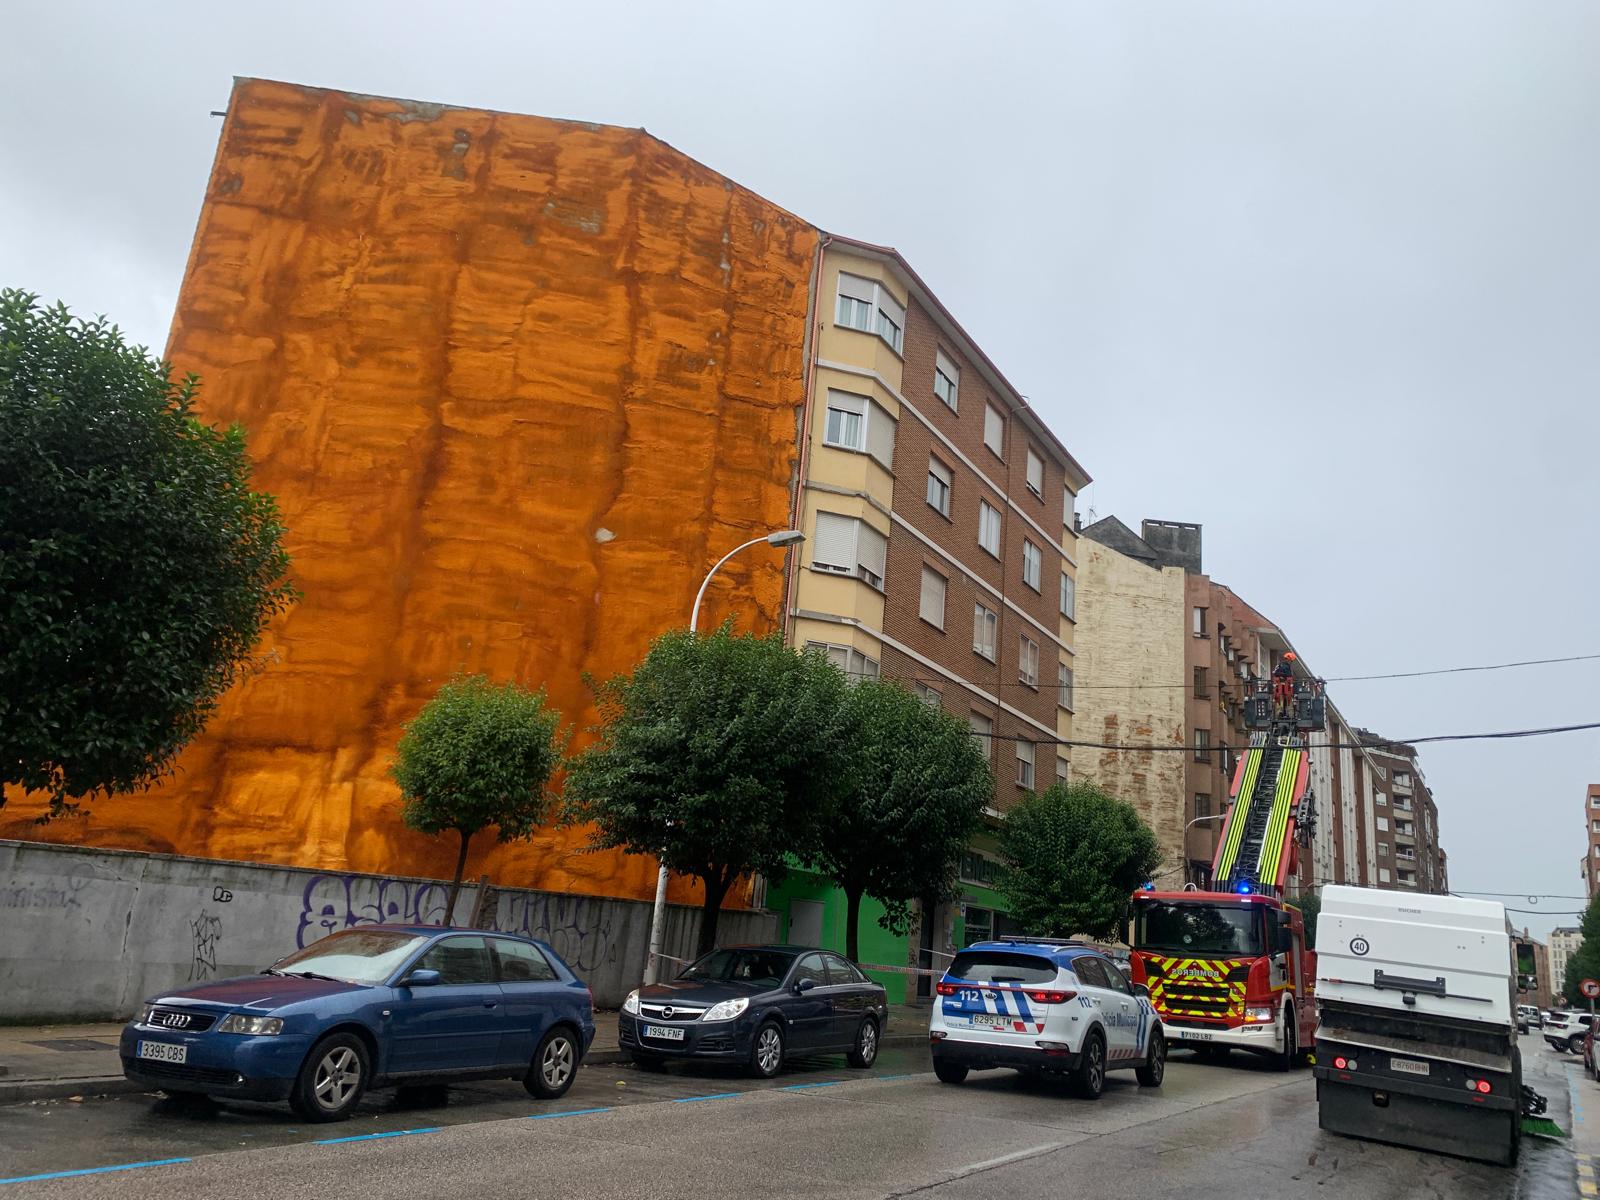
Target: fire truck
<point>1228,966</point>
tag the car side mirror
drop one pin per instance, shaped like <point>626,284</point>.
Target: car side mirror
<point>1139,989</point>
<point>421,977</point>
<point>801,986</point>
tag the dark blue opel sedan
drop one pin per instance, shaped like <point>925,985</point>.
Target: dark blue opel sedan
<point>757,1005</point>
<point>374,1006</point>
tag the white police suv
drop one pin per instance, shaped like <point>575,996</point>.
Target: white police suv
<point>1042,1006</point>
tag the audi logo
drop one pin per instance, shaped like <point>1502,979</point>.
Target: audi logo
<point>172,1020</point>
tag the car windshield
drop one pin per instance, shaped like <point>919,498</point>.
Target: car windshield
<point>762,968</point>
<point>353,955</point>
<point>1197,928</point>
<point>1000,966</point>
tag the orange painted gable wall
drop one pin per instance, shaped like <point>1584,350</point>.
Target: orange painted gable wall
<point>516,384</point>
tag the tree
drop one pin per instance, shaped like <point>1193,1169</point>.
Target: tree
<point>912,798</point>
<point>1310,906</point>
<point>477,755</point>
<point>719,754</point>
<point>1072,856</point>
<point>1584,962</point>
<point>137,568</point>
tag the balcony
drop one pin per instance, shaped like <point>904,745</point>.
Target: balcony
<point>1406,831</point>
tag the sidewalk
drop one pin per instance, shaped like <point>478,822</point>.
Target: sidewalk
<point>42,1062</point>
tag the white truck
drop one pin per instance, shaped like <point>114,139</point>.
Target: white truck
<point>1417,1027</point>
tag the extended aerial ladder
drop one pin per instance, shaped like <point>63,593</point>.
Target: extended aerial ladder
<point>1272,811</point>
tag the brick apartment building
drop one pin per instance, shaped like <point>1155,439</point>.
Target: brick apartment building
<point>1591,825</point>
<point>1405,832</point>
<point>1165,656</point>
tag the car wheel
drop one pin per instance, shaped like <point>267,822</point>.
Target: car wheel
<point>766,1051</point>
<point>1089,1080</point>
<point>1155,1065</point>
<point>554,1066</point>
<point>1290,1057</point>
<point>332,1079</point>
<point>1575,1044</point>
<point>865,1052</point>
<point>949,1072</point>
<point>648,1062</point>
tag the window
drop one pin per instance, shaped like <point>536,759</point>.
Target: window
<point>985,626</point>
<point>989,527</point>
<point>1383,824</point>
<point>1202,804</point>
<point>1402,779</point>
<point>1066,510</point>
<point>1408,878</point>
<point>939,486</point>
<point>810,967</point>
<point>994,430</point>
<point>1069,597</point>
<point>946,379</point>
<point>1380,799</point>
<point>521,962</point>
<point>842,971</point>
<point>1064,686</point>
<point>1035,473</point>
<point>1061,769</point>
<point>1594,801</point>
<point>1028,661</point>
<point>1200,622</point>
<point>460,960</point>
<point>1202,745</point>
<point>848,659</point>
<point>867,305</point>
<point>927,695</point>
<point>1089,972</point>
<point>849,546</point>
<point>1115,979</point>
<point>1202,689</point>
<point>1383,874</point>
<point>933,589</point>
<point>1032,564</point>
<point>858,423</point>
<point>1597,851</point>
<point>983,733</point>
<point>1383,849</point>
<point>1024,764</point>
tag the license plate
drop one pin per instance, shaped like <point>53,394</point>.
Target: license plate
<point>665,1033</point>
<point>1408,1066</point>
<point>990,1021</point>
<point>163,1052</point>
<point>1192,1035</point>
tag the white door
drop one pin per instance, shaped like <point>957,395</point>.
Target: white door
<point>805,922</point>
<point>1114,999</point>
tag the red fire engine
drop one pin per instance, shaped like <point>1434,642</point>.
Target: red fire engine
<point>1229,967</point>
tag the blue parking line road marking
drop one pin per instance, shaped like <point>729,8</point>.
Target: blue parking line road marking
<point>370,1137</point>
<point>575,1112</point>
<point>713,1096</point>
<point>795,1087</point>
<point>154,1162</point>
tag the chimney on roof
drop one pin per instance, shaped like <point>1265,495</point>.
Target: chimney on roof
<point>1176,543</point>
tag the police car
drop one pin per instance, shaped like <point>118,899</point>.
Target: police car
<point>1041,1005</point>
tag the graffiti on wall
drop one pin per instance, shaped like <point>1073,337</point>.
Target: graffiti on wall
<point>207,933</point>
<point>578,928</point>
<point>334,902</point>
<point>52,897</point>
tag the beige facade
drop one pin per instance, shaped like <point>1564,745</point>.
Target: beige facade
<point>1130,654</point>
<point>1564,943</point>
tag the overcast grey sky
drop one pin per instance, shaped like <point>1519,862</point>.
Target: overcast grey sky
<point>1324,277</point>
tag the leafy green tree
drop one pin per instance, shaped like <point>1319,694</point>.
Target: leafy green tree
<point>477,755</point>
<point>1310,909</point>
<point>1585,960</point>
<point>719,754</point>
<point>911,800</point>
<point>137,568</point>
<point>1073,856</point>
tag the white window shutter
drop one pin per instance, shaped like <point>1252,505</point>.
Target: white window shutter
<point>891,307</point>
<point>1035,472</point>
<point>872,549</point>
<point>847,401</point>
<point>880,436</point>
<point>835,542</point>
<point>857,288</point>
<point>933,590</point>
<point>993,429</point>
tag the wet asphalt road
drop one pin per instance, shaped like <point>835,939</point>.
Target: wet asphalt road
<point>821,1129</point>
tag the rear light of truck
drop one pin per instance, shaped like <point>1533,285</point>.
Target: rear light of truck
<point>1044,997</point>
<point>1344,1064</point>
<point>1482,1086</point>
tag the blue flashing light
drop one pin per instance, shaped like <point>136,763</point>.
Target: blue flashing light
<point>1149,885</point>
<point>1244,889</point>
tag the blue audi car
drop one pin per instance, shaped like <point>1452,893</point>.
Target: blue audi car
<point>373,1006</point>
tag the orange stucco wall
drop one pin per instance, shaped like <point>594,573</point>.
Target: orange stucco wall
<point>516,383</point>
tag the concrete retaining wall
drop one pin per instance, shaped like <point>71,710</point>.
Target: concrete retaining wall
<point>87,934</point>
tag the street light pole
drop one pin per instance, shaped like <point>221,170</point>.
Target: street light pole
<point>658,916</point>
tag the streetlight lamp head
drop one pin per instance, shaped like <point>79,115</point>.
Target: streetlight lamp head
<point>786,537</point>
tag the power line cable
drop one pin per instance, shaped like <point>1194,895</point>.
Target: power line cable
<point>1416,741</point>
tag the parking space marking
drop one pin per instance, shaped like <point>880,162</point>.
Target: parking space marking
<point>371,1137</point>
<point>133,1166</point>
<point>796,1087</point>
<point>713,1096</point>
<point>573,1112</point>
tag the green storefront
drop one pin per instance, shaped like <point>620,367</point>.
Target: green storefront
<point>811,911</point>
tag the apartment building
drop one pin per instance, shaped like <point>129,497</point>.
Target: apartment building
<point>1591,825</point>
<point>1405,832</point>
<point>1564,943</point>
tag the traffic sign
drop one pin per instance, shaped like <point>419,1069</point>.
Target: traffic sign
<point>1590,988</point>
